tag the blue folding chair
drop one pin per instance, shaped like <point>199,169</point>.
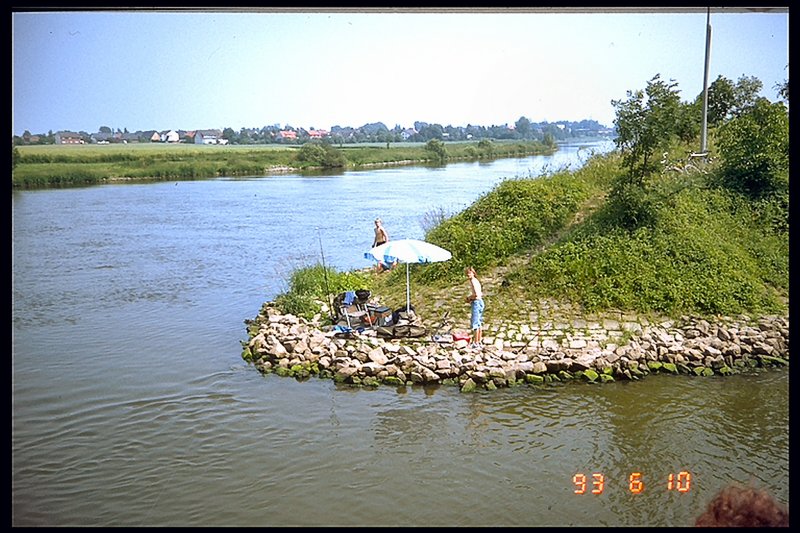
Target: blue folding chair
<point>351,309</point>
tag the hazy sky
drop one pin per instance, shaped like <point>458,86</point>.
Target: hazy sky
<point>144,70</point>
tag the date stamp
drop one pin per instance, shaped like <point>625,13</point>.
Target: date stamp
<point>596,484</point>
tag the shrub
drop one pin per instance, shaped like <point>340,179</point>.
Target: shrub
<point>313,285</point>
<point>516,215</point>
<point>703,253</point>
<point>754,147</point>
<point>321,155</point>
<point>438,149</point>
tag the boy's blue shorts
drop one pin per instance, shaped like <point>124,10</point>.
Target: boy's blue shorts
<point>477,314</point>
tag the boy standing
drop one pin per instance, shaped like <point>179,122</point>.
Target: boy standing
<point>476,315</point>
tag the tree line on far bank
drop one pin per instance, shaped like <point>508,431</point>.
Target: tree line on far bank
<point>522,130</point>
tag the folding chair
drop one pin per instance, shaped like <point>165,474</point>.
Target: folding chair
<point>351,309</point>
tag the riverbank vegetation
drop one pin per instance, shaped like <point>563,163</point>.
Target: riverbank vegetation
<point>644,228</point>
<point>39,166</point>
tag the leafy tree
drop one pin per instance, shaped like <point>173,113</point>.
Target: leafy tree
<point>487,147</point>
<point>431,131</point>
<point>783,90</point>
<point>746,94</point>
<point>726,99</point>
<point>720,100</point>
<point>230,135</point>
<point>14,158</point>
<point>311,152</point>
<point>321,155</point>
<point>105,129</point>
<point>645,122</point>
<point>523,127</point>
<point>438,148</point>
<point>688,121</point>
<point>754,148</point>
<point>553,131</point>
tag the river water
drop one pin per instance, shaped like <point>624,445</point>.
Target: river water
<point>131,405</point>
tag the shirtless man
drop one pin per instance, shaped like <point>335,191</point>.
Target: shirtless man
<point>380,234</point>
<point>381,237</point>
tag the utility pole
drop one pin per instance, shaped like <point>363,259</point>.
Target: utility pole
<point>704,130</point>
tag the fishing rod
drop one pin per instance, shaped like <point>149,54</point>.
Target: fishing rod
<point>325,275</point>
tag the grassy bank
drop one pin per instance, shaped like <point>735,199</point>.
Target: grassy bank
<point>65,165</point>
<point>705,250</point>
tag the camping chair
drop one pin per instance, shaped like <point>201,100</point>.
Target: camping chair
<point>352,309</point>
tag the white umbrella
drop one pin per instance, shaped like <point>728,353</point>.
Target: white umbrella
<point>408,251</point>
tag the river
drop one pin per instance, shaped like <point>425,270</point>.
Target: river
<point>131,405</point>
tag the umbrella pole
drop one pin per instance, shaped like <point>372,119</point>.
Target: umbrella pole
<point>408,292</point>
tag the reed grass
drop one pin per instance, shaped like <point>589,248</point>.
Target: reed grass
<point>60,165</point>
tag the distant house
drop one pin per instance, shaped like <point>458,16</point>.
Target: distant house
<point>288,135</point>
<point>155,137</point>
<point>209,137</point>
<point>101,137</point>
<point>407,133</point>
<point>68,137</point>
<point>170,137</point>
<point>318,134</point>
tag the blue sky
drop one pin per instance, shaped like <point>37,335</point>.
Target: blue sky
<point>144,70</point>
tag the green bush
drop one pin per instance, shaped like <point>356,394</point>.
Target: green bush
<point>438,149</point>
<point>516,215</point>
<point>321,155</point>
<point>311,286</point>
<point>631,205</point>
<point>754,147</point>
<point>704,254</point>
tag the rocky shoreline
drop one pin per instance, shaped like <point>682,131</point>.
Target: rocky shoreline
<point>551,349</point>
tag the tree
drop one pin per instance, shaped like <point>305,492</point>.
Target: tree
<point>431,131</point>
<point>688,121</point>
<point>438,148</point>
<point>727,100</point>
<point>746,94</point>
<point>105,129</point>
<point>486,147</point>
<point>754,148</point>
<point>783,90</point>
<point>229,135</point>
<point>647,121</point>
<point>321,154</point>
<point>523,127</point>
<point>646,124</point>
<point>720,100</point>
